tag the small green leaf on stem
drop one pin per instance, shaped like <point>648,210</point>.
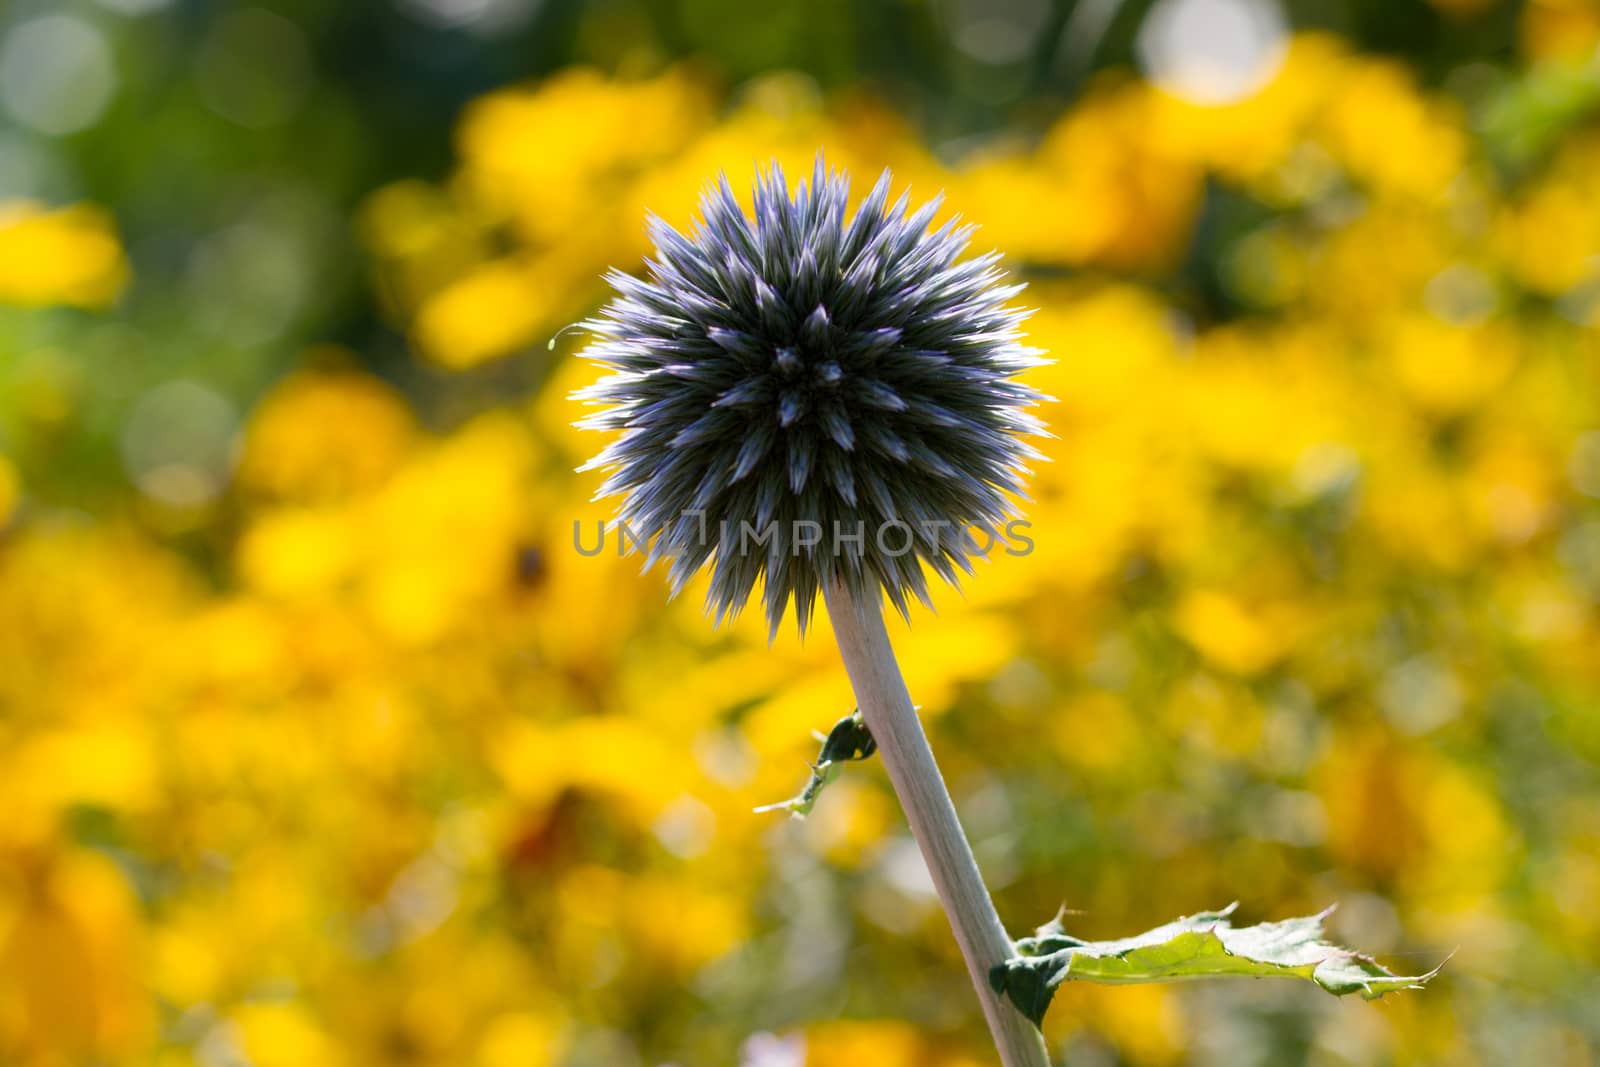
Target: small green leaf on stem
<point>1206,945</point>
<point>848,740</point>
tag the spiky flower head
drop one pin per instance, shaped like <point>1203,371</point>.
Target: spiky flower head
<point>804,397</point>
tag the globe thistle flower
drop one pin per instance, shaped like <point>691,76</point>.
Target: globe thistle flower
<point>805,397</point>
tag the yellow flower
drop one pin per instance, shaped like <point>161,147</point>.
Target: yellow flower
<point>109,765</point>
<point>540,156</point>
<point>491,310</point>
<point>1404,813</point>
<point>1241,639</point>
<point>441,536</point>
<point>282,1034</point>
<point>1251,139</point>
<point>67,256</point>
<point>1549,234</point>
<point>1389,135</point>
<point>1450,369</point>
<point>881,1042</point>
<point>1144,1023</point>
<point>299,552</point>
<point>1100,153</point>
<point>321,435</point>
<point>10,490</point>
<point>522,1039</point>
<point>598,754</point>
<point>1563,30</point>
<point>69,936</point>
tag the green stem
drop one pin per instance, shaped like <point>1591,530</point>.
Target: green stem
<point>886,705</point>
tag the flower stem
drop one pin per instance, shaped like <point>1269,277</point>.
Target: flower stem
<point>886,705</point>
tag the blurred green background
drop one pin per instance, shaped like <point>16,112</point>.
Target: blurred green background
<point>320,744</point>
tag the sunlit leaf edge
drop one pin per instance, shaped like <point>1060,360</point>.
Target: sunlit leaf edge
<point>1203,945</point>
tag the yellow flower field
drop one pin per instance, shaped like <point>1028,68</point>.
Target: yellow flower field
<point>322,744</point>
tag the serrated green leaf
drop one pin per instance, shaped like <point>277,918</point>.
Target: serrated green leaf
<point>1205,945</point>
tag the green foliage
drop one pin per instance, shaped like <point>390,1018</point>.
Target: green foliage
<point>1205,945</point>
<point>848,740</point>
<point>1529,114</point>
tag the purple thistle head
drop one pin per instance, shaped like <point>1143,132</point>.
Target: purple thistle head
<point>805,397</point>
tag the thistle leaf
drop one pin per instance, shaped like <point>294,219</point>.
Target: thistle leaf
<point>849,740</point>
<point>1205,945</point>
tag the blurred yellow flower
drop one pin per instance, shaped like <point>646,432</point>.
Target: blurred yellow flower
<point>541,156</point>
<point>68,256</point>
<point>488,312</point>
<point>298,552</point>
<point>280,1034</point>
<point>69,980</point>
<point>443,532</point>
<point>10,490</point>
<point>108,765</point>
<point>1562,30</point>
<point>880,1042</point>
<point>521,1039</point>
<point>1409,816</point>
<point>1448,369</point>
<point>1237,638</point>
<point>1143,1023</point>
<point>1250,138</point>
<point>322,435</point>
<point>1390,135</point>
<point>1550,234</point>
<point>1097,733</point>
